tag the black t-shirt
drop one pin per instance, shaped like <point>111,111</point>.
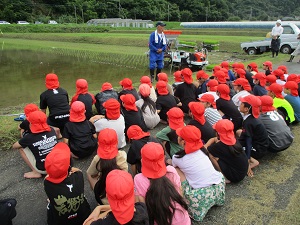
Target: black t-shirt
<point>256,130</point>
<point>103,97</point>
<point>133,118</point>
<point>164,103</point>
<point>88,102</point>
<point>250,79</point>
<point>134,152</point>
<point>186,93</point>
<point>201,89</point>
<point>57,100</point>
<point>140,217</point>
<point>81,140</point>
<point>132,91</point>
<point>230,111</point>
<point>234,166</point>
<point>207,132</point>
<point>40,144</point>
<point>67,206</point>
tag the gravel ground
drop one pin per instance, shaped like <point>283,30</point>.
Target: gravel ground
<point>262,199</point>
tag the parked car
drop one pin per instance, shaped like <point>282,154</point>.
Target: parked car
<point>288,41</point>
<point>4,22</point>
<point>52,22</point>
<point>22,22</point>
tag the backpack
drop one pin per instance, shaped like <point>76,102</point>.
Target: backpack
<point>7,211</point>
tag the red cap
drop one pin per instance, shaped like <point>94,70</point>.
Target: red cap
<point>38,122</point>
<point>107,144</point>
<point>255,103</point>
<point>202,74</point>
<point>187,75</point>
<point>81,86</point>
<point>106,86</point>
<point>163,77</point>
<point>129,102</point>
<point>144,90</point>
<point>241,73</point>
<point>177,76</point>
<point>212,84</point>
<point>135,132</point>
<point>52,81</point>
<point>126,83</point>
<point>120,195</point>
<point>112,107</point>
<point>276,89</point>
<point>293,86</point>
<point>261,77</point>
<point>221,76</point>
<point>283,68</point>
<point>197,109</point>
<point>225,65</point>
<point>216,69</point>
<point>234,65</point>
<point>192,137</point>
<point>271,79</point>
<point>242,82</point>
<point>225,129</point>
<point>224,91</point>
<point>268,64</point>
<point>240,66</point>
<point>208,98</point>
<point>29,108</point>
<point>175,118</point>
<point>146,80</point>
<point>267,103</point>
<point>77,112</point>
<point>293,77</point>
<point>253,66</point>
<point>153,160</point>
<point>161,87</point>
<point>57,163</point>
<point>278,73</point>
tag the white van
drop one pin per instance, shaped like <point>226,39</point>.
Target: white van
<point>22,22</point>
<point>4,22</point>
<point>52,22</point>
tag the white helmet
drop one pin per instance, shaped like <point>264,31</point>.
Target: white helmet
<point>278,21</point>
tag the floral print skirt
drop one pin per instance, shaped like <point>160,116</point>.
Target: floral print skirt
<point>202,199</point>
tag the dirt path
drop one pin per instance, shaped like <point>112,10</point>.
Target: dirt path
<point>270,197</point>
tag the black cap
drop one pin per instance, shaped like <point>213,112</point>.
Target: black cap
<point>160,23</point>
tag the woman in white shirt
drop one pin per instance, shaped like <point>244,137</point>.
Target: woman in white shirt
<point>275,43</point>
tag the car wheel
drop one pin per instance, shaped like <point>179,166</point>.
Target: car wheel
<point>251,51</point>
<point>286,49</point>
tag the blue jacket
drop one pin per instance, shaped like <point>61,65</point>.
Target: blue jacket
<point>155,46</point>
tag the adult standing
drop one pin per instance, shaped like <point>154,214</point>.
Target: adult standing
<point>157,46</point>
<point>277,30</point>
<point>296,52</point>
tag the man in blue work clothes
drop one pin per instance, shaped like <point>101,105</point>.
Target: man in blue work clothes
<point>157,45</point>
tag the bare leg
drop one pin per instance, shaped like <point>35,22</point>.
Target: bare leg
<point>252,164</point>
<point>74,156</point>
<point>33,173</point>
<point>181,174</point>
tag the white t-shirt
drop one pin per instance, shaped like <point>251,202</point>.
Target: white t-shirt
<point>212,93</point>
<point>236,97</point>
<point>277,30</point>
<point>151,118</point>
<point>118,125</point>
<point>198,169</point>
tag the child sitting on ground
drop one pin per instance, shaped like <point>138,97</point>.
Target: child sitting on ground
<point>84,96</point>
<point>79,133</point>
<point>211,113</point>
<point>253,136</point>
<point>226,153</point>
<point>127,88</point>
<point>64,186</point>
<point>24,126</point>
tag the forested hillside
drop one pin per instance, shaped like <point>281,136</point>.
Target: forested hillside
<point>79,11</point>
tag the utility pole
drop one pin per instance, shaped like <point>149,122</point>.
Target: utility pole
<point>82,13</point>
<point>119,8</point>
<point>75,13</point>
<point>168,12</point>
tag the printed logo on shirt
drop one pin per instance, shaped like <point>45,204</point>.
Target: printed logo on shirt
<point>66,205</point>
<point>70,187</point>
<point>45,145</point>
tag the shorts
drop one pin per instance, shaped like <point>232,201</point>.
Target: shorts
<point>32,160</point>
<point>200,200</point>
